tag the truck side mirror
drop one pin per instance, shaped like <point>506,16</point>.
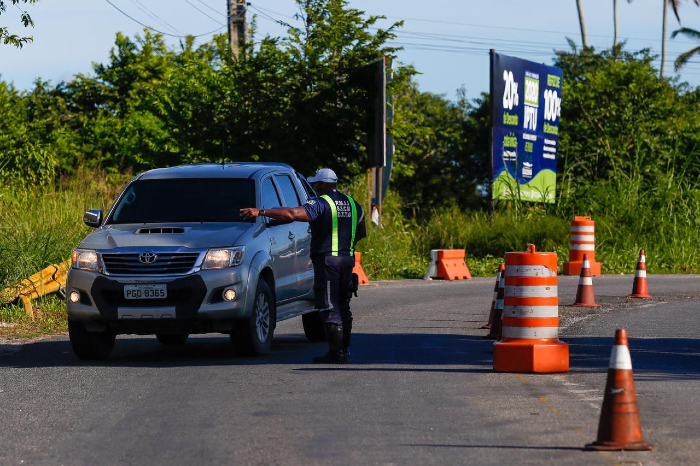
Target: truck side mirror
<point>93,218</point>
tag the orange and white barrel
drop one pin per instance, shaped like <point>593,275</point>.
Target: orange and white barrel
<point>581,241</point>
<point>530,341</point>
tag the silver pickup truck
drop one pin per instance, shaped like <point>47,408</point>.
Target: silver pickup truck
<point>173,257</point>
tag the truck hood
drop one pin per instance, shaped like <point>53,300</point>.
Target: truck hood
<point>195,236</point>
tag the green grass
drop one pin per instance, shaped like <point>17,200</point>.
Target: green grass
<point>40,226</point>
<point>50,318</point>
<point>631,213</point>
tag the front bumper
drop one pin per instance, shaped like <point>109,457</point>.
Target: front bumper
<point>194,302</point>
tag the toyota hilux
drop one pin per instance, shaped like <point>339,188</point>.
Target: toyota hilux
<point>173,257</point>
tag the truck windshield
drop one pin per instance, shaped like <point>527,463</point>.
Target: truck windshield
<point>185,200</point>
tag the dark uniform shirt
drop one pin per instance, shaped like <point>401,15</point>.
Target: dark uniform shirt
<point>320,217</point>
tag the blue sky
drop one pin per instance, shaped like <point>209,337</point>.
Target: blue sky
<point>446,40</point>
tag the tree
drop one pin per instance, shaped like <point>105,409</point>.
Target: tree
<point>615,21</point>
<point>674,4</point>
<point>288,99</point>
<point>685,57</point>
<point>582,23</point>
<point>14,39</point>
<point>617,112</point>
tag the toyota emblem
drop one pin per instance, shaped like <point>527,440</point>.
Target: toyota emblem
<point>148,257</point>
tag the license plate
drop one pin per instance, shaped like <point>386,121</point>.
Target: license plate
<point>145,291</point>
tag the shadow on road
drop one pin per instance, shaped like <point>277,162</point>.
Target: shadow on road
<point>367,349</point>
<point>653,359</point>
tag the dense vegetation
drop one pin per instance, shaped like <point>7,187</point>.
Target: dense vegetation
<point>628,152</point>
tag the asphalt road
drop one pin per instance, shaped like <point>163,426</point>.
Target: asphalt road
<point>419,389</point>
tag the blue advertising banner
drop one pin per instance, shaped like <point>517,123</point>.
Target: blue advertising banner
<point>526,106</point>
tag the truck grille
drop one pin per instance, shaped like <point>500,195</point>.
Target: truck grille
<point>160,231</point>
<point>165,263</point>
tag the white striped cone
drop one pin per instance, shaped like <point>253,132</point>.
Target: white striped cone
<point>584,294</point>
<point>497,324</point>
<point>501,271</point>
<point>620,427</point>
<point>639,287</point>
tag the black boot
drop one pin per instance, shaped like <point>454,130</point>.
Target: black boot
<point>347,330</point>
<point>335,354</point>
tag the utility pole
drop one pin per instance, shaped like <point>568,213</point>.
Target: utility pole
<point>237,28</point>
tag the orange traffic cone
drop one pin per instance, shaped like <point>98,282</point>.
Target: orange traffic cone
<point>361,276</point>
<point>497,324</point>
<point>639,288</point>
<point>501,268</point>
<point>584,293</point>
<point>619,427</point>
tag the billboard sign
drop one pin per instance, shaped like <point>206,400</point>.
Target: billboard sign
<point>526,108</point>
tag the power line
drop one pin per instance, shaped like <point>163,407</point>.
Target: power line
<point>477,40</point>
<point>508,47</point>
<point>476,51</point>
<point>203,12</point>
<point>155,17</point>
<point>459,38</point>
<point>158,31</point>
<point>456,23</point>
<point>270,18</point>
<point>455,48</point>
<point>512,45</point>
<point>20,9</point>
<point>532,48</point>
<point>212,9</point>
<point>488,41</point>
<point>276,13</point>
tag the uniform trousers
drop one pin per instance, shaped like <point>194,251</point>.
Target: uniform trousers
<point>332,284</point>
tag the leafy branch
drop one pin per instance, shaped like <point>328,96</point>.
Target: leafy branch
<point>14,39</point>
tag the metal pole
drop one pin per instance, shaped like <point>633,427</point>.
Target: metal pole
<point>369,193</point>
<point>492,118</point>
<point>380,189</point>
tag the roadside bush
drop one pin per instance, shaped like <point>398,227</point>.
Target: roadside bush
<point>41,225</point>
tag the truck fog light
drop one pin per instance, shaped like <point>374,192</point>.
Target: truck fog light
<point>229,294</point>
<point>74,297</point>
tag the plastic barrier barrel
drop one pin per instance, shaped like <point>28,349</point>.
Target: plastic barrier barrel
<point>451,264</point>
<point>581,241</point>
<point>448,264</point>
<point>530,341</point>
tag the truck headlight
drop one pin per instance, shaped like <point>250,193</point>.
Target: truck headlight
<point>85,259</point>
<point>222,258</point>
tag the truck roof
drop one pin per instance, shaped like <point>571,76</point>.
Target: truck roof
<point>216,170</point>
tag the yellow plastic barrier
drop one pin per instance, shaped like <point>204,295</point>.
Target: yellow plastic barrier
<point>50,280</point>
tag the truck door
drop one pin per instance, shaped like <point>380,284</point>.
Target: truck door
<point>282,245</point>
<point>302,236</point>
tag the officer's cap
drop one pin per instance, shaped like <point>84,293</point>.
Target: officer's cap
<point>324,175</point>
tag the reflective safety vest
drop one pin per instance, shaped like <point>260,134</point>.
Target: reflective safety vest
<point>333,233</point>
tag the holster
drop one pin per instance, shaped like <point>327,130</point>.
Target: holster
<point>354,285</point>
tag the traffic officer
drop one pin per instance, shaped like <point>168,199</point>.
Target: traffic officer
<point>337,224</point>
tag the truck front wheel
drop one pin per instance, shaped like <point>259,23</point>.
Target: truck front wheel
<point>90,345</point>
<point>253,336</point>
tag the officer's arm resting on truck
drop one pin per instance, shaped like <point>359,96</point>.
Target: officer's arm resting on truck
<point>292,214</point>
